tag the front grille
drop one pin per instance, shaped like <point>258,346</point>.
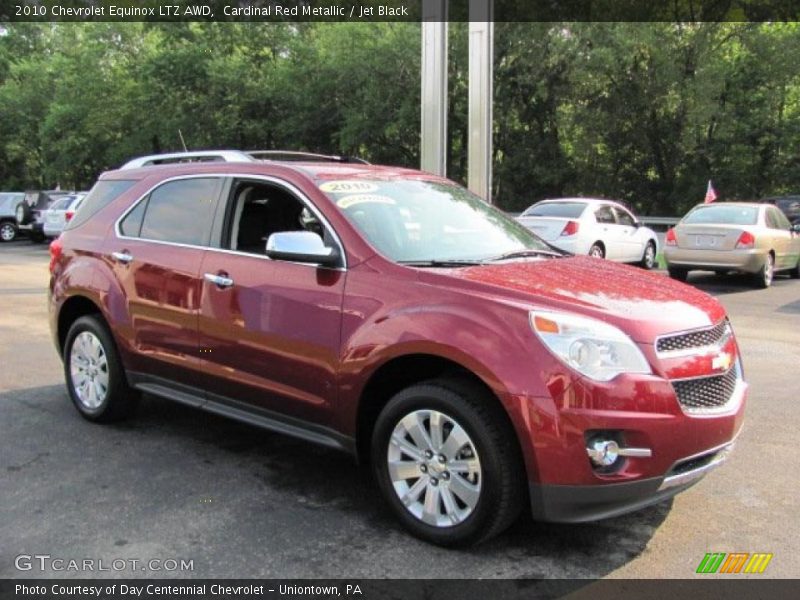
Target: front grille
<point>704,393</point>
<point>693,339</point>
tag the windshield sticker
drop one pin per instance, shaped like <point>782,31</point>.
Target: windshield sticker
<point>349,201</point>
<point>348,187</point>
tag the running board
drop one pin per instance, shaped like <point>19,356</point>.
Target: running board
<point>238,411</point>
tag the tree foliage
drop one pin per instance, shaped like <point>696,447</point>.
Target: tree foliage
<point>642,112</point>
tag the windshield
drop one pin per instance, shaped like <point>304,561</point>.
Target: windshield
<point>723,215</point>
<point>569,210</point>
<point>423,221</point>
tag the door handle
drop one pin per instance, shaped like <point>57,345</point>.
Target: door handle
<point>219,280</point>
<point>122,257</point>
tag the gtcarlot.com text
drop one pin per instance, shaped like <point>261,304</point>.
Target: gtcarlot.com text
<point>46,562</point>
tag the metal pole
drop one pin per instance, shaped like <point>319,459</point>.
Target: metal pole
<point>481,51</point>
<point>433,151</point>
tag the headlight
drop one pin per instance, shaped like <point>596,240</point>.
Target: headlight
<point>593,348</point>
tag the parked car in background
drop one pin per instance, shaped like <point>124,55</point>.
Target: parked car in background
<point>60,213</point>
<point>734,236</point>
<point>396,316</point>
<point>790,205</point>
<point>8,219</point>
<point>30,211</point>
<point>601,228</point>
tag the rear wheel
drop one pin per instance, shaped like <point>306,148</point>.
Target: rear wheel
<point>8,231</point>
<point>795,273</point>
<point>679,274</point>
<point>446,461</point>
<point>597,250</point>
<point>95,378</point>
<point>766,273</point>
<point>649,257</point>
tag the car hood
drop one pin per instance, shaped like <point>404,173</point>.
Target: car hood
<point>644,304</point>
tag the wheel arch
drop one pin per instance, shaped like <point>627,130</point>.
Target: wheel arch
<point>71,310</point>
<point>600,243</point>
<point>400,372</point>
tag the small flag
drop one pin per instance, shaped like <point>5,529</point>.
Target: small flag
<point>711,194</point>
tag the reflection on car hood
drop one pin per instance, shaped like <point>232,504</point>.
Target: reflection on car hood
<point>642,303</point>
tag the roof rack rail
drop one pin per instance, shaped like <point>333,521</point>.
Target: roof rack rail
<point>295,155</point>
<point>178,157</point>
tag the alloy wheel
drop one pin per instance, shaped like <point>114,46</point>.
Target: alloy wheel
<point>769,270</point>
<point>7,232</point>
<point>89,370</point>
<point>434,468</point>
<point>649,256</point>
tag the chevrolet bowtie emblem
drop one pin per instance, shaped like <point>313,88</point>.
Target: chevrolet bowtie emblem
<point>722,361</point>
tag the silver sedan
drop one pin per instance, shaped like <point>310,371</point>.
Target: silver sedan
<point>744,237</point>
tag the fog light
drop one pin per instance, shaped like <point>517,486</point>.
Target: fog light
<point>603,453</point>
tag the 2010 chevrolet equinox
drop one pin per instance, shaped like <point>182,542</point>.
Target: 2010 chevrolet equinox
<point>394,315</point>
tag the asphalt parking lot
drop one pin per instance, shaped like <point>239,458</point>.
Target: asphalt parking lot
<point>239,502</point>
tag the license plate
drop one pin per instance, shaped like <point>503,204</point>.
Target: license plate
<point>707,241</point>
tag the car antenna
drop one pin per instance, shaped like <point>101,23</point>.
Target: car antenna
<point>183,143</point>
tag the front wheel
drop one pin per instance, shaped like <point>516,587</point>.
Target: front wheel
<point>8,231</point>
<point>649,257</point>
<point>446,460</point>
<point>95,378</point>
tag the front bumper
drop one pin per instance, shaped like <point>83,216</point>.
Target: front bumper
<point>582,503</point>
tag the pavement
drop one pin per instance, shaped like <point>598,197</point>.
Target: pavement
<point>177,484</point>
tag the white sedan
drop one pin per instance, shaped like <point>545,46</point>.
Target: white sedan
<point>600,228</point>
<point>60,213</point>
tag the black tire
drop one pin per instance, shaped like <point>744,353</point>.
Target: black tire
<point>37,237</point>
<point>502,476</point>
<point>679,274</point>
<point>8,231</point>
<point>120,399</point>
<point>763,278</point>
<point>795,273</point>
<point>597,250</point>
<point>23,213</point>
<point>648,256</point>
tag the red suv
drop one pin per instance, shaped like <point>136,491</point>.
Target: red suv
<point>392,314</point>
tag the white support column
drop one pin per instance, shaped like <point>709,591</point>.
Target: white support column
<point>481,53</point>
<point>433,151</point>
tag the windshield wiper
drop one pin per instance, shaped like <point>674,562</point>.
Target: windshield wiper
<point>441,263</point>
<point>527,252</point>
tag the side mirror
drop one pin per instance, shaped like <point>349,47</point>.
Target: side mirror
<point>301,246</point>
<point>796,228</point>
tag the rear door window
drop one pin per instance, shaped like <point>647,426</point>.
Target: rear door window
<point>777,220</point>
<point>624,217</point>
<point>181,212</point>
<point>604,214</point>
